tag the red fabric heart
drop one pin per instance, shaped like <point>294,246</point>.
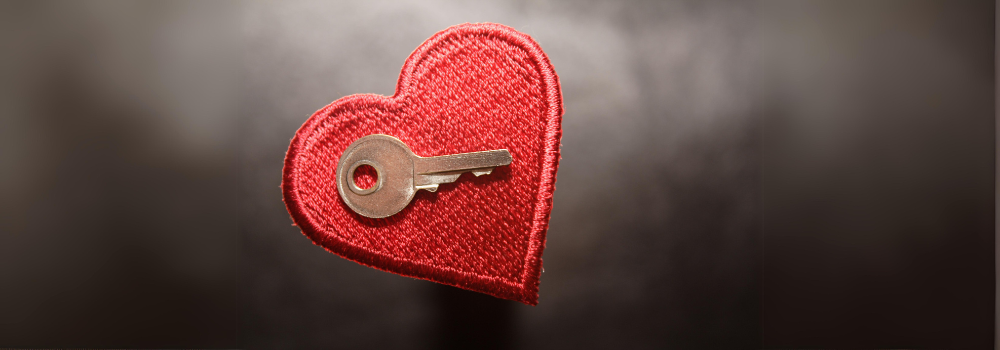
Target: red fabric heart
<point>471,87</point>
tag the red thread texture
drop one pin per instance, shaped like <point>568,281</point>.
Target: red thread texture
<point>471,87</point>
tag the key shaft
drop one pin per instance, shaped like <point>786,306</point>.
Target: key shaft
<point>429,172</point>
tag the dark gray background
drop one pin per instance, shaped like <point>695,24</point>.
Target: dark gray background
<point>735,174</point>
<point>118,207</point>
<point>878,175</point>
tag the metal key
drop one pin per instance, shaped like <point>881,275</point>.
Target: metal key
<point>401,173</point>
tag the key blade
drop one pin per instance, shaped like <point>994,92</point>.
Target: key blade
<point>462,162</point>
<point>432,171</point>
<point>430,182</point>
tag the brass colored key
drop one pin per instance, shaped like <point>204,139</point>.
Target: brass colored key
<point>401,173</point>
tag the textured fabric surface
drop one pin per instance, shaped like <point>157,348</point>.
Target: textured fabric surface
<point>471,87</point>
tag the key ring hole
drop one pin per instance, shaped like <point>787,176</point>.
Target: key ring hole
<point>365,176</point>
<point>370,177</point>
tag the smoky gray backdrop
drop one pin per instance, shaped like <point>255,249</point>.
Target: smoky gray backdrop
<point>734,174</point>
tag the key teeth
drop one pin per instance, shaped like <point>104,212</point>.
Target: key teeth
<point>429,188</point>
<point>482,172</point>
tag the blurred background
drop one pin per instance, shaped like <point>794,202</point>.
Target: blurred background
<point>118,174</point>
<point>734,174</point>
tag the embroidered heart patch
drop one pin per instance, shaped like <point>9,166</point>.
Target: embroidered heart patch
<point>471,87</point>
